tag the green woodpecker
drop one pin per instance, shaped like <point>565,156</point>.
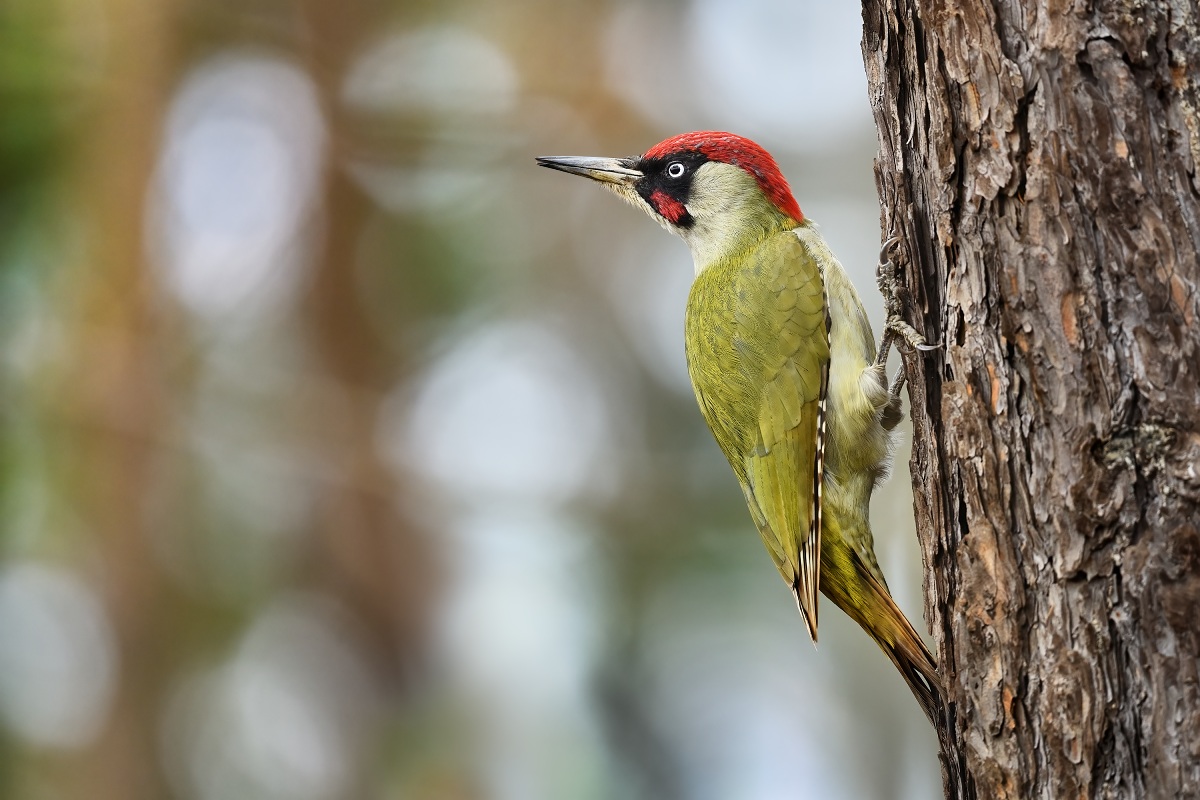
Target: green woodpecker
<point>784,366</point>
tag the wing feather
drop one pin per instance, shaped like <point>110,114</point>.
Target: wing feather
<point>758,354</point>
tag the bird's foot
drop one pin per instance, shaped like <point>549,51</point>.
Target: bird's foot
<point>896,331</point>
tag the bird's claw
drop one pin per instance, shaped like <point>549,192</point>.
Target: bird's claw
<point>908,334</point>
<point>896,330</point>
<point>886,249</point>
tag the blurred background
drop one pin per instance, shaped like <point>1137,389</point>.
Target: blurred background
<point>346,454</point>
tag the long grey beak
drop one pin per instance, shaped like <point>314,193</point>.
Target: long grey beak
<point>605,170</point>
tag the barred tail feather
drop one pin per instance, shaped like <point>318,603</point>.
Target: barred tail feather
<point>897,638</point>
<point>916,666</point>
<point>864,597</point>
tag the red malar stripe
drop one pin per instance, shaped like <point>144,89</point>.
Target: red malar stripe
<point>668,206</point>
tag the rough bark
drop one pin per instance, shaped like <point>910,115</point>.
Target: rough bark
<point>1039,161</point>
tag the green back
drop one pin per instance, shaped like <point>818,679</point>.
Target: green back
<point>758,353</point>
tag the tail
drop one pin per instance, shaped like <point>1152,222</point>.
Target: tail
<point>906,650</point>
<point>873,608</point>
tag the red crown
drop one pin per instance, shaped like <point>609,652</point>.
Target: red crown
<point>729,148</point>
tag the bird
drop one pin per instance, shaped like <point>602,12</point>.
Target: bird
<point>783,362</point>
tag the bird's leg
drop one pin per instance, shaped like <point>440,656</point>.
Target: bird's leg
<point>896,330</point>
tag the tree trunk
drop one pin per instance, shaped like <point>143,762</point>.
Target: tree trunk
<point>1039,161</point>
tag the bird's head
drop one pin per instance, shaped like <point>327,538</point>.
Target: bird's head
<point>719,191</point>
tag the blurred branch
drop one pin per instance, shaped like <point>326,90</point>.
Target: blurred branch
<point>110,384</point>
<point>368,551</point>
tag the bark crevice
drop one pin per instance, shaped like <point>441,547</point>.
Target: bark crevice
<point>1040,166</point>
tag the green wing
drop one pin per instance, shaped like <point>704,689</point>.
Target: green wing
<point>757,336</point>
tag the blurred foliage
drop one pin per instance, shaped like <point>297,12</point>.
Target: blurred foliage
<point>35,96</point>
<point>345,454</point>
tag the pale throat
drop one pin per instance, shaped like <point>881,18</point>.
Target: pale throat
<point>730,215</point>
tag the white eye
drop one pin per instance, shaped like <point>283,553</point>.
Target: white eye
<point>676,169</point>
